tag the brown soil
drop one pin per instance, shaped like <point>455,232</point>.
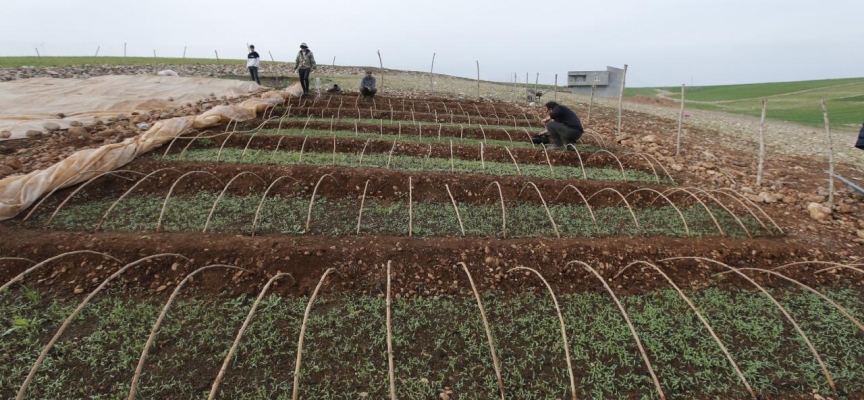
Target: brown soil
<point>360,261</point>
<point>359,258</point>
<point>430,267</point>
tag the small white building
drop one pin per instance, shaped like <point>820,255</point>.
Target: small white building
<point>606,83</point>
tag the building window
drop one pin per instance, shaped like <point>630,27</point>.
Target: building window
<point>579,78</point>
<point>597,78</point>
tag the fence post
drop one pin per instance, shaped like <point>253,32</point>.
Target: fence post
<point>184,52</point>
<point>556,87</point>
<point>217,57</point>
<point>761,143</point>
<point>431,76</point>
<point>478,79</point>
<point>621,96</point>
<point>381,64</point>
<point>536,82</point>
<point>680,121</point>
<point>830,155</point>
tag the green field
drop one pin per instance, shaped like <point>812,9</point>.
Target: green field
<point>787,101</point>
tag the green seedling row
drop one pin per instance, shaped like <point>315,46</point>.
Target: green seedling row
<point>412,163</point>
<point>437,343</point>
<point>430,219</point>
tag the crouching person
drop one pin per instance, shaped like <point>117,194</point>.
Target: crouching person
<point>562,126</point>
<point>367,85</point>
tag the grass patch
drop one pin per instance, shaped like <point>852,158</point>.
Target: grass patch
<point>646,91</point>
<point>412,163</point>
<point>758,90</point>
<point>785,100</point>
<point>438,342</point>
<point>338,217</point>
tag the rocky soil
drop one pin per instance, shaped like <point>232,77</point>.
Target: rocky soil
<point>207,70</point>
<point>718,150</point>
<point>741,132</point>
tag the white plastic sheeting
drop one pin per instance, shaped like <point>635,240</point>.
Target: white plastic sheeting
<point>28,104</point>
<point>21,191</point>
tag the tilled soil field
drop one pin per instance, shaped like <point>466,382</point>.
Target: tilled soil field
<point>424,203</point>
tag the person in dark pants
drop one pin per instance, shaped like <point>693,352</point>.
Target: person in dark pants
<point>860,143</point>
<point>367,85</point>
<point>305,62</point>
<point>562,126</point>
<point>253,60</point>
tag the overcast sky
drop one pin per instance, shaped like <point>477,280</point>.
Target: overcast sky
<point>665,42</point>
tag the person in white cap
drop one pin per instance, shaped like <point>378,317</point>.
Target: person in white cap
<point>305,62</point>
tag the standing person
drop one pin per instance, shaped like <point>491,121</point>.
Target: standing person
<point>562,126</point>
<point>305,63</point>
<point>367,85</point>
<point>253,60</point>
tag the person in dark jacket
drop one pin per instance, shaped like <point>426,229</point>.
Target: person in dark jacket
<point>860,143</point>
<point>367,85</point>
<point>253,60</point>
<point>562,126</point>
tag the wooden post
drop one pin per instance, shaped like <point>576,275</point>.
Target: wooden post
<point>184,52</point>
<point>621,96</point>
<point>536,82</point>
<point>97,51</point>
<point>271,56</point>
<point>515,86</point>
<point>334,61</point>
<point>217,57</point>
<point>478,79</point>
<point>830,155</point>
<point>556,87</point>
<point>761,143</point>
<point>526,87</point>
<point>591,103</point>
<point>680,121</point>
<point>431,77</point>
<point>124,49</point>
<point>381,63</point>
<point>39,56</point>
<point>154,54</point>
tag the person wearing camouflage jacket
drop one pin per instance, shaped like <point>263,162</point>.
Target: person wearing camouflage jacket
<point>305,62</point>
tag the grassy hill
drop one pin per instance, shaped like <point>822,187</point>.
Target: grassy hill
<point>787,101</point>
